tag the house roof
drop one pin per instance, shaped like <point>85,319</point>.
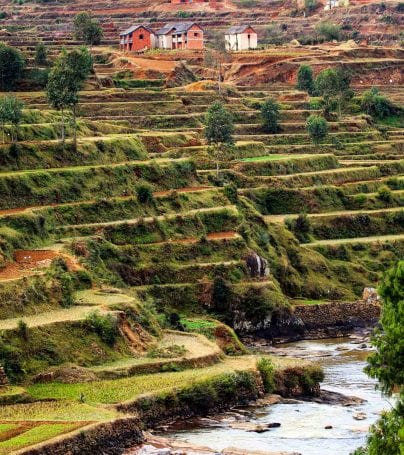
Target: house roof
<point>237,29</point>
<point>133,28</point>
<point>178,27</point>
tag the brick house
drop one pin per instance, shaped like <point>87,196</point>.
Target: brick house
<point>241,38</point>
<point>137,38</point>
<point>180,35</point>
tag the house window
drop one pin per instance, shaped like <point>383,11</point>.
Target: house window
<point>196,34</point>
<point>141,36</point>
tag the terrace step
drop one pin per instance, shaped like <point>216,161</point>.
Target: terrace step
<point>199,352</point>
<point>372,239</point>
<point>75,313</point>
<point>148,219</point>
<point>283,217</point>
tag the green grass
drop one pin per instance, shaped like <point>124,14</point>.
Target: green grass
<point>270,158</point>
<point>36,435</point>
<point>5,427</point>
<point>395,121</point>
<point>118,390</point>
<point>63,411</point>
<point>308,302</point>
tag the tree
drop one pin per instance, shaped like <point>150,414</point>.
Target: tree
<point>11,112</point>
<point>217,56</point>
<point>377,105</point>
<point>334,85</point>
<point>305,80</point>
<point>386,364</point>
<point>270,116</point>
<point>66,78</point>
<point>12,64</point>
<point>219,129</point>
<point>87,29</point>
<point>317,127</point>
<point>41,55</point>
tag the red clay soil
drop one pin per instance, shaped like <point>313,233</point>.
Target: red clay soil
<point>222,235</point>
<point>28,262</point>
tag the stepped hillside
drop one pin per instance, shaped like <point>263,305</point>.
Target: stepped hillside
<point>127,266</point>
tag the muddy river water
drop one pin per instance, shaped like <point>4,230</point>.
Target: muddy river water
<point>302,424</point>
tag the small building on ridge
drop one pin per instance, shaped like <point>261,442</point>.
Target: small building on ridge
<point>241,38</point>
<point>180,35</point>
<point>137,38</point>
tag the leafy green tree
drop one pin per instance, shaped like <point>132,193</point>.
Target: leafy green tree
<point>219,130</point>
<point>12,64</point>
<point>87,29</point>
<point>270,116</point>
<point>41,55</point>
<point>386,365</point>
<point>11,113</point>
<point>377,105</point>
<point>317,127</point>
<point>305,79</point>
<point>66,78</point>
<point>334,85</point>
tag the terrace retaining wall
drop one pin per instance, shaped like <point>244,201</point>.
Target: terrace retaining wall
<point>110,438</point>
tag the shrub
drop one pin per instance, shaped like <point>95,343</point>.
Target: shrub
<point>266,369</point>
<point>230,191</point>
<point>105,326</point>
<point>87,29</point>
<point>11,360</point>
<point>311,5</point>
<point>144,194</point>
<point>41,55</point>
<point>377,105</point>
<point>384,194</point>
<point>302,228</point>
<point>305,80</point>
<point>221,295</point>
<point>22,330</point>
<point>12,64</point>
<point>317,127</point>
<point>270,116</point>
<point>328,31</point>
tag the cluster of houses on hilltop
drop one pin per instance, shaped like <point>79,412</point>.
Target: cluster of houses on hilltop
<point>183,35</point>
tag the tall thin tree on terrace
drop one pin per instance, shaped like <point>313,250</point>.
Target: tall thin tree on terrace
<point>219,131</point>
<point>66,79</point>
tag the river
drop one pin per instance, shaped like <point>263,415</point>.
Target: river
<point>303,424</point>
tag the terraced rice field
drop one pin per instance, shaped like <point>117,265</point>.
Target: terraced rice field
<point>66,211</point>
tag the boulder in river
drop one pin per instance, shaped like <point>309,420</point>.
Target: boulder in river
<point>328,397</point>
<point>360,416</point>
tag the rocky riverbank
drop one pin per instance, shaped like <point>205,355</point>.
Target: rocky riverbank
<point>315,322</point>
<point>334,423</point>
